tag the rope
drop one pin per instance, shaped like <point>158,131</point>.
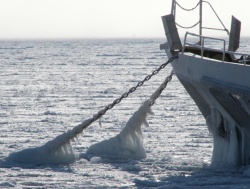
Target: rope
<point>184,27</point>
<point>185,8</point>
<point>187,27</point>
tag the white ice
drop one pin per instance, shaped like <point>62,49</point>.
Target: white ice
<point>44,155</point>
<point>129,142</point>
<point>226,151</point>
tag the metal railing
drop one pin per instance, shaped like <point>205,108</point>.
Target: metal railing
<point>201,45</point>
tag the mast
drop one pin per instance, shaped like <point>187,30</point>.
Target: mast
<point>200,21</point>
<point>173,8</point>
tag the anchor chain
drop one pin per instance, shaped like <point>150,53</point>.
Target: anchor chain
<point>158,92</point>
<point>154,96</point>
<point>132,89</point>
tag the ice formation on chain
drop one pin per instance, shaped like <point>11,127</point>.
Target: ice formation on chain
<point>129,142</point>
<point>57,151</point>
<point>60,151</point>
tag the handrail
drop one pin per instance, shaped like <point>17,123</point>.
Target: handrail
<point>202,47</point>
<point>225,29</point>
<point>245,57</point>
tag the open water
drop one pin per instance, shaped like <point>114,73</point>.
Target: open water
<point>48,87</point>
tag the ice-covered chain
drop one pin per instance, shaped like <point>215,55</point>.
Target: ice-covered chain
<point>78,129</point>
<point>158,92</point>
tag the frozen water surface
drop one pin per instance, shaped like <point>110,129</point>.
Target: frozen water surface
<point>48,87</point>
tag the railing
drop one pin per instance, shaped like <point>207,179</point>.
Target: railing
<point>245,57</point>
<point>201,45</point>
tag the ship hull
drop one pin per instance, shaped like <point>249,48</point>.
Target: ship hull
<point>221,90</point>
<point>218,81</point>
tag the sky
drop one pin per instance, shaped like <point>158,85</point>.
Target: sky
<point>28,19</point>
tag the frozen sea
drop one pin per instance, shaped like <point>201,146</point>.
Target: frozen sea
<point>48,87</point>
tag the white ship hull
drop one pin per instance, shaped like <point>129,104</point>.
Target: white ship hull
<point>221,90</point>
<point>219,84</point>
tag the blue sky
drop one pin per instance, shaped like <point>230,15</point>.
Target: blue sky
<point>106,18</point>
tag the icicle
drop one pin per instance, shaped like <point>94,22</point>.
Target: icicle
<point>77,138</point>
<point>64,149</point>
<point>100,122</point>
<point>226,151</point>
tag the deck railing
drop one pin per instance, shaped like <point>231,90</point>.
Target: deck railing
<point>201,45</point>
